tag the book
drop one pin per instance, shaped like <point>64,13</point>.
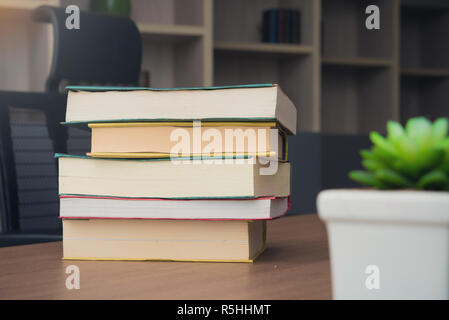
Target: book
<point>297,26</point>
<point>274,25</point>
<point>162,140</point>
<point>82,207</point>
<point>167,178</point>
<point>282,26</point>
<point>288,26</point>
<point>175,240</point>
<point>261,102</point>
<point>266,21</point>
<point>270,25</point>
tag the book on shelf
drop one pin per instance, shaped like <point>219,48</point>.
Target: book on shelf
<point>281,25</point>
<point>171,240</point>
<point>161,140</point>
<point>90,207</point>
<point>167,178</point>
<point>260,102</point>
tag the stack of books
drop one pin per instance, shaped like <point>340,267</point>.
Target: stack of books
<point>189,174</point>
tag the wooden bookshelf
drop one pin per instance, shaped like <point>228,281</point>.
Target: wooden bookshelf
<point>344,78</point>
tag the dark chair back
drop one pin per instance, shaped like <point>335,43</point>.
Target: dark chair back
<point>104,50</point>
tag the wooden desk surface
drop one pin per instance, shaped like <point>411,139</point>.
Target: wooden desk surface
<point>294,266</point>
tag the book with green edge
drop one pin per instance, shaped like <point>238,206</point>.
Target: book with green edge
<point>255,102</point>
<point>179,178</point>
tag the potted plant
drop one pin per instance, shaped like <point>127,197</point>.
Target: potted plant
<point>391,241</point>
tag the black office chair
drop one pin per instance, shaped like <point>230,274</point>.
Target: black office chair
<point>105,49</point>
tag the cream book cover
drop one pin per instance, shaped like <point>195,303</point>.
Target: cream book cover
<point>258,102</point>
<point>171,240</point>
<point>166,178</point>
<point>165,139</point>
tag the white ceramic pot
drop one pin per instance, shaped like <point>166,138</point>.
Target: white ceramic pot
<point>387,244</point>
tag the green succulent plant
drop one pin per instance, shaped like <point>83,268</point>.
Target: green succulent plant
<point>414,157</point>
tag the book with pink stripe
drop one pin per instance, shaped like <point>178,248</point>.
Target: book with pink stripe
<point>85,207</point>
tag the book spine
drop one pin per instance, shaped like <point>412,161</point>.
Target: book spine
<point>289,25</point>
<point>275,25</point>
<point>266,26</point>
<point>270,27</point>
<point>297,26</point>
<point>281,26</point>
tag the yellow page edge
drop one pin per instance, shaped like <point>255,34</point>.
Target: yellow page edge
<point>181,124</point>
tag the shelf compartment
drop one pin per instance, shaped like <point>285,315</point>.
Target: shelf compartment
<point>237,20</point>
<point>357,62</point>
<point>169,12</point>
<point>356,100</point>
<point>424,34</point>
<point>424,96</point>
<point>174,64</point>
<point>262,48</point>
<point>176,46</point>
<point>344,34</point>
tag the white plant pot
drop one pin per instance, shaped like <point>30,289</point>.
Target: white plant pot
<point>387,244</point>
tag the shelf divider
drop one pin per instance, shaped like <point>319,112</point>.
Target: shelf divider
<point>425,72</point>
<point>262,47</point>
<point>170,31</point>
<point>357,61</point>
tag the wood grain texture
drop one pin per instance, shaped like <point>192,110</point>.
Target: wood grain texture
<point>294,266</point>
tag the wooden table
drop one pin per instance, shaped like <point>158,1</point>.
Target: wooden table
<point>294,266</point>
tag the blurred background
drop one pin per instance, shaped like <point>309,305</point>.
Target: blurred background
<point>345,80</point>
